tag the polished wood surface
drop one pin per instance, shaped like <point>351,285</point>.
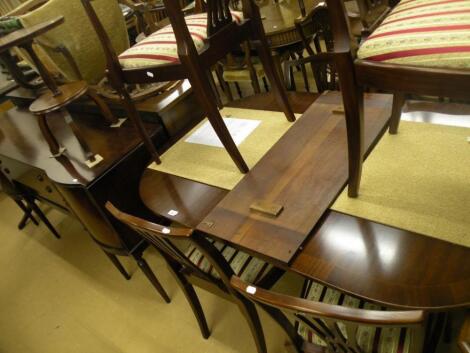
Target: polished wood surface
<point>304,172</point>
<point>162,192</point>
<point>373,261</point>
<point>385,264</point>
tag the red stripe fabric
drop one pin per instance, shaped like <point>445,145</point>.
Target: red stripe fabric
<point>416,52</point>
<point>421,30</point>
<point>425,5</point>
<point>442,13</point>
<point>155,42</point>
<point>150,56</point>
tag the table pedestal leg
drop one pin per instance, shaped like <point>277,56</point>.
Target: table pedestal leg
<point>89,156</point>
<point>54,146</point>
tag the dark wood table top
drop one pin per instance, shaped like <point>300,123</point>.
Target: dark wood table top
<point>24,35</point>
<point>304,172</point>
<point>364,258</point>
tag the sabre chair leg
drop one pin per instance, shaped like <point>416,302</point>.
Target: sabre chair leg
<point>42,217</point>
<point>144,266</point>
<point>134,116</point>
<point>248,310</point>
<point>275,80</point>
<point>204,94</point>
<point>398,103</point>
<point>353,101</point>
<point>191,297</point>
<point>117,264</point>
<point>46,131</point>
<point>103,107</point>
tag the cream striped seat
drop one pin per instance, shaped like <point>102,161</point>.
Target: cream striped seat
<point>371,339</point>
<point>161,48</point>
<point>429,33</point>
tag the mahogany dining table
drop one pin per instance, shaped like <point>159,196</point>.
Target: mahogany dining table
<point>304,172</point>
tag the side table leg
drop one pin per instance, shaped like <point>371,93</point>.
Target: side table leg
<point>103,107</point>
<point>54,146</point>
<point>89,156</point>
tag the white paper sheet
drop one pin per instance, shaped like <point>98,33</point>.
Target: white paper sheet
<point>239,129</point>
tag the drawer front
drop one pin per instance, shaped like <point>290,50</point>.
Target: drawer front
<point>33,178</point>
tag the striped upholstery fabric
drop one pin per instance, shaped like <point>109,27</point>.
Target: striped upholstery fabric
<point>247,267</point>
<point>370,339</point>
<point>161,48</point>
<point>431,33</point>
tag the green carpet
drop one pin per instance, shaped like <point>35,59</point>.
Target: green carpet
<point>418,180</point>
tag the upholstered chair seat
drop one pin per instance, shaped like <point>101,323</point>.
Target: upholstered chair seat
<point>161,48</point>
<point>429,33</point>
<point>371,339</point>
<point>245,266</point>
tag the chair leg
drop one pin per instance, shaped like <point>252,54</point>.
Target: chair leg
<point>144,266</point>
<point>191,297</point>
<point>265,83</point>
<point>248,310</point>
<point>42,217</point>
<point>239,90</point>
<point>118,265</point>
<point>274,78</point>
<point>353,101</point>
<point>134,116</point>
<point>27,215</point>
<point>398,103</point>
<point>210,78</point>
<point>225,86</point>
<point>205,96</point>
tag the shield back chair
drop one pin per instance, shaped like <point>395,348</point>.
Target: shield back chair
<point>327,320</point>
<point>420,47</point>
<point>194,259</point>
<point>27,202</point>
<point>188,49</point>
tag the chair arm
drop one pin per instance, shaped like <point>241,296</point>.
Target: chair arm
<point>295,304</point>
<point>26,7</point>
<point>150,226</point>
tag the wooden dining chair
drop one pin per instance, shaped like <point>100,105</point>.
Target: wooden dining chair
<point>26,201</point>
<point>194,259</point>
<point>327,320</point>
<point>420,47</point>
<point>188,49</point>
<point>314,31</point>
